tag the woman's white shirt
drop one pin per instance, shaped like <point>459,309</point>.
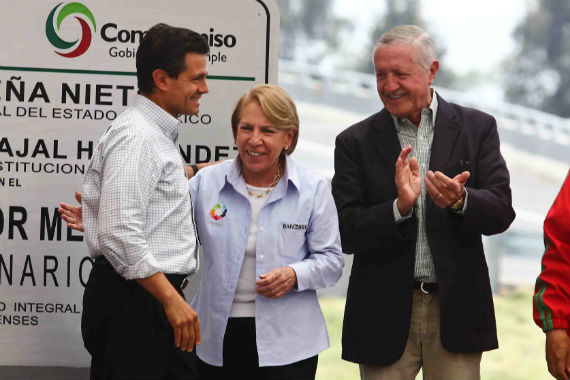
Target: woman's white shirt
<point>244,297</point>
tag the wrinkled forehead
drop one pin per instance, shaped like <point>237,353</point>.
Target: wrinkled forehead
<point>394,55</point>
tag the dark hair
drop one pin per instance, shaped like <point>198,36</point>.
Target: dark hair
<point>165,47</point>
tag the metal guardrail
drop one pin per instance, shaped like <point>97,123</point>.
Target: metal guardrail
<point>525,128</point>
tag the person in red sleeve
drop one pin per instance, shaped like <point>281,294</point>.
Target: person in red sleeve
<point>551,301</point>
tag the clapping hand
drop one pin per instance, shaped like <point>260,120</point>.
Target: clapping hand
<point>408,181</point>
<point>443,190</point>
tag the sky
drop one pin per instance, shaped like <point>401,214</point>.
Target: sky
<point>477,34</point>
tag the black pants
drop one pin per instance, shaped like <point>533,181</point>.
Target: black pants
<point>126,332</point>
<point>241,360</point>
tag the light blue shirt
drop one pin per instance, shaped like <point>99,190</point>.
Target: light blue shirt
<point>297,227</point>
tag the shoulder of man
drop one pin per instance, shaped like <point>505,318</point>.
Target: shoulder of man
<point>136,124</point>
<point>362,128</point>
<point>461,113</point>
<point>133,129</point>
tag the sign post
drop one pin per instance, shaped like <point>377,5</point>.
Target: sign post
<point>66,71</point>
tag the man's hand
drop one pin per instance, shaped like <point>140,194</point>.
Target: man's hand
<point>443,190</point>
<point>184,321</point>
<point>190,172</point>
<point>182,318</point>
<point>72,214</point>
<point>276,283</point>
<point>408,181</point>
<point>558,353</point>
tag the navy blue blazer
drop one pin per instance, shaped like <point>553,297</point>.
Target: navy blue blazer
<point>378,303</point>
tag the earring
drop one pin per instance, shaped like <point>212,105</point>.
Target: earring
<point>286,147</point>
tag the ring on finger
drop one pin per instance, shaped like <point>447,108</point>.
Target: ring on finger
<point>74,221</point>
<point>439,196</point>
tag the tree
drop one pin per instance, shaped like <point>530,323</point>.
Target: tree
<point>404,12</point>
<point>539,74</point>
<point>309,30</point>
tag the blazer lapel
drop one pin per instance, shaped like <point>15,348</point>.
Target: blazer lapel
<point>386,140</point>
<point>445,135</point>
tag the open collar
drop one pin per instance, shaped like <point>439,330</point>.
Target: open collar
<point>234,178</point>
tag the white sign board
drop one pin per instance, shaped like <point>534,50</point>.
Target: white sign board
<point>66,71</point>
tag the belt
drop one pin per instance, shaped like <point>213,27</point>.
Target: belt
<point>179,281</point>
<point>426,287</point>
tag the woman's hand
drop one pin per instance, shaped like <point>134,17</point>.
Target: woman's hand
<point>276,283</point>
<point>72,214</point>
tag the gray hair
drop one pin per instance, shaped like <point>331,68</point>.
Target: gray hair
<point>410,34</point>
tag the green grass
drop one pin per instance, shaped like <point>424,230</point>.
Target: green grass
<point>521,342</point>
<point>331,366</point>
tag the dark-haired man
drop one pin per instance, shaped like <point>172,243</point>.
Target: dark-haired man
<point>138,220</point>
<point>416,185</point>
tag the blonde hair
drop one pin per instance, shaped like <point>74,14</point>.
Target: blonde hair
<point>277,106</point>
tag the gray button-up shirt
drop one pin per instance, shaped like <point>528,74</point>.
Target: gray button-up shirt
<point>136,206</point>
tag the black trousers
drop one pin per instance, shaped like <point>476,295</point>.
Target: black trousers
<point>242,362</point>
<point>126,332</point>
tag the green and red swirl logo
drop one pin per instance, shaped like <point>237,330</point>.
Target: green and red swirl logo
<point>53,24</point>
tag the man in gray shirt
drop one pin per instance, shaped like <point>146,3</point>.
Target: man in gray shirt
<point>138,220</point>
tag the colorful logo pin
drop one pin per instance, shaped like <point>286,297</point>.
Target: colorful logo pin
<point>218,211</point>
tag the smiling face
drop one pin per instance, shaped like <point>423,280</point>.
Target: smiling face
<point>403,84</point>
<point>182,94</point>
<point>260,144</point>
